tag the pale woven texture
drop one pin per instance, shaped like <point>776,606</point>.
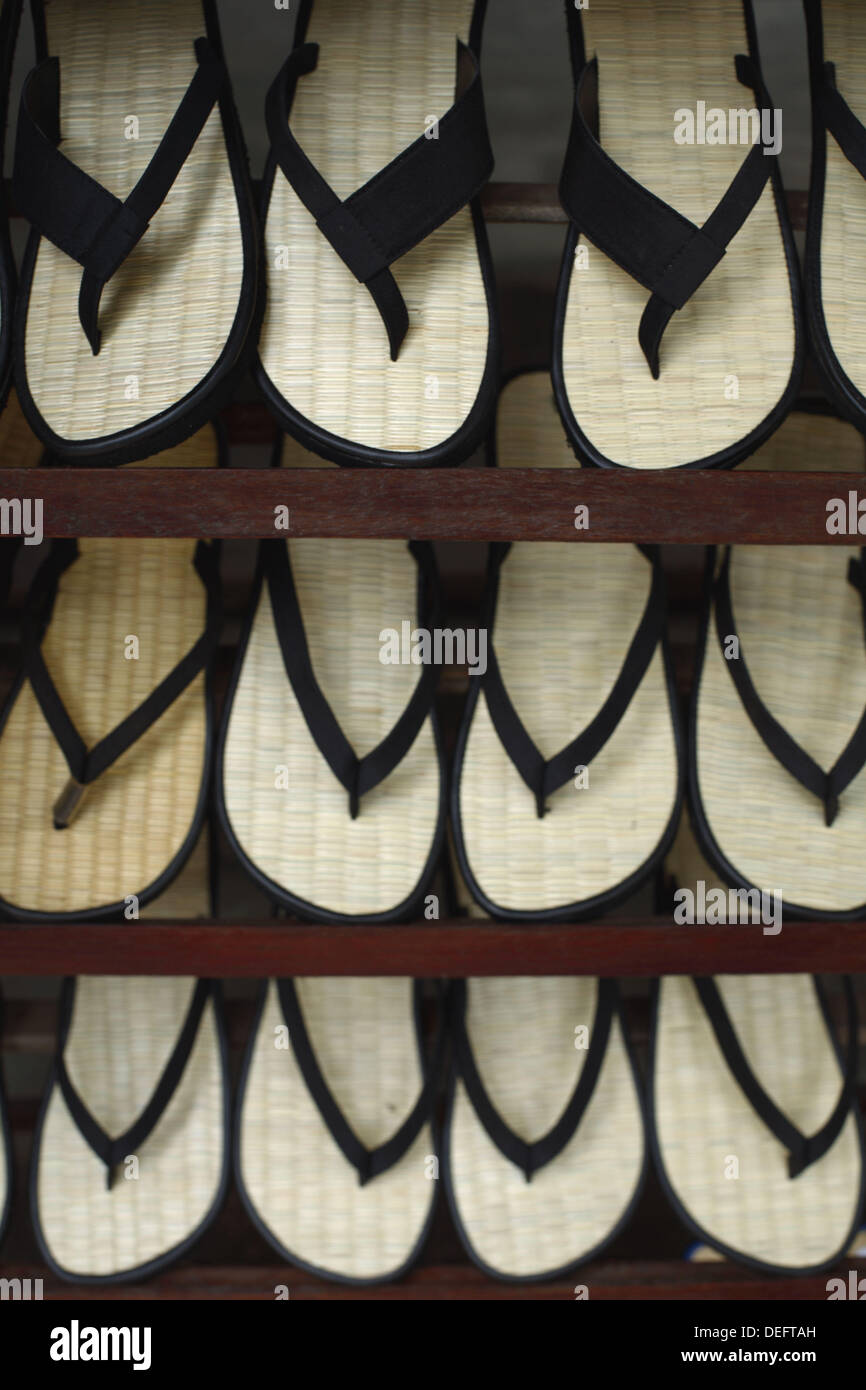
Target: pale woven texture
<point>138,814</point>
<point>302,836</point>
<point>19,447</point>
<point>166,314</point>
<point>523,1036</point>
<point>122,1033</point>
<point>703,1118</point>
<point>383,70</point>
<point>843,225</point>
<point>566,614</point>
<point>740,321</point>
<point>302,1188</point>
<point>800,625</point>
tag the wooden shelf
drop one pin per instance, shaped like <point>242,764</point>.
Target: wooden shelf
<point>606,1280</point>
<point>467,504</point>
<point>448,949</point>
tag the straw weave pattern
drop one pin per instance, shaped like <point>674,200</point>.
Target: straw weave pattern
<point>305,1191</point>
<point>565,617</point>
<point>166,314</point>
<point>740,321</point>
<point>323,344</point>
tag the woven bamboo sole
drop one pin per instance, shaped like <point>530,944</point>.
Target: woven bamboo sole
<point>725,1168</point>
<point>564,620</point>
<point>523,1034</point>
<point>137,819</point>
<point>167,313</point>
<point>384,72</point>
<point>800,625</point>
<point>843,225</point>
<point>288,812</point>
<point>737,333</point>
<point>295,1179</point>
<point>122,1032</point>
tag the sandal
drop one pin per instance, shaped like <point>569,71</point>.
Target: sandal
<point>135,317</point>
<point>754,1122</point>
<point>836,242</point>
<point>543,1151</point>
<point>131,1153</point>
<point>778,730</point>
<point>335,1157</point>
<point>325,745</point>
<point>677,339</point>
<point>376,249</point>
<point>550,822</point>
<point>105,738</point>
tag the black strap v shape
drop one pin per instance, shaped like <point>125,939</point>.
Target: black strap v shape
<point>543,776</point>
<point>87,764</point>
<point>76,212</point>
<point>530,1157</point>
<point>357,775</point>
<point>112,1152</point>
<point>803,1150</point>
<point>424,186</point>
<point>846,128</point>
<point>826,786</point>
<point>368,1163</point>
<point>665,252</point>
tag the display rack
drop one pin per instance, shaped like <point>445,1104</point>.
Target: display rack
<point>464,504</point>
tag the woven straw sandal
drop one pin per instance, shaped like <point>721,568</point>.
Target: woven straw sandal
<point>778,730</point>
<point>677,341</point>
<point>836,240</point>
<point>543,1149</point>
<point>338,1174</point>
<point>547,824</point>
<point>139,290</point>
<point>376,251</point>
<point>753,1115</point>
<point>6,1163</point>
<point>105,739</point>
<point>131,1156</point>
<point>322,744</point>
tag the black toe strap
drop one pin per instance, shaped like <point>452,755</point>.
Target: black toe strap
<point>847,130</point>
<point>530,1157</point>
<point>357,775</point>
<point>543,776</point>
<point>110,1151</point>
<point>87,764</point>
<point>803,1150</point>
<point>665,252</point>
<point>77,213</point>
<point>369,1163</point>
<point>425,185</point>
<point>826,786</point>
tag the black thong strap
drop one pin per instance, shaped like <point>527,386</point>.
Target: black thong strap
<point>530,1157</point>
<point>87,764</point>
<point>357,775</point>
<point>113,1151</point>
<point>72,209</point>
<point>368,1163</point>
<point>663,251</point>
<point>543,776</point>
<point>425,185</point>
<point>803,1150</point>
<point>827,787</point>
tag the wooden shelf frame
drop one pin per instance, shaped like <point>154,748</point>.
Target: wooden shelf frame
<point>454,949</point>
<point>463,504</point>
